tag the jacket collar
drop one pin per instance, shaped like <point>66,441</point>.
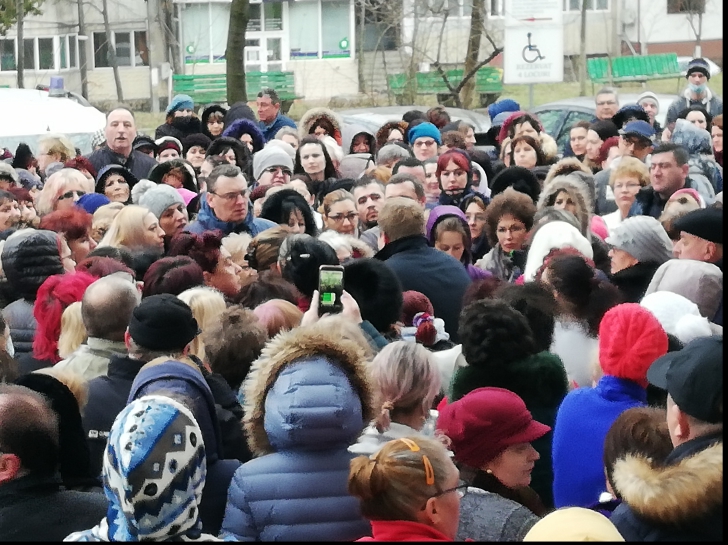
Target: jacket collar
<point>104,345</point>
<point>405,530</point>
<point>210,221</point>
<point>412,242</point>
<point>124,367</point>
<point>31,484</point>
<point>620,389</point>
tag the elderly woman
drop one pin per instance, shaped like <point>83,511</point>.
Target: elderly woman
<point>626,179</point>
<point>166,203</point>
<point>116,183</point>
<point>62,190</point>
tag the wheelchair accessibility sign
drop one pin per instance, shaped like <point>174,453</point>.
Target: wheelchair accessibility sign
<point>533,54</point>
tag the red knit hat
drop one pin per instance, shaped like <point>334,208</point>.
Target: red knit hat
<point>630,340</point>
<point>414,302</point>
<point>485,422</point>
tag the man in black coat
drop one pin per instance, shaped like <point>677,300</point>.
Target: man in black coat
<point>33,504</point>
<point>419,267</point>
<point>120,134</point>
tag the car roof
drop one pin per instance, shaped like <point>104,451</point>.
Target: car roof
<point>375,116</point>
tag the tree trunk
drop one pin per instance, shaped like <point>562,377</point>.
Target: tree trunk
<point>20,68</point>
<point>82,61</point>
<point>467,94</point>
<point>234,53</point>
<point>360,47</point>
<point>112,52</point>
<point>582,52</point>
<point>171,42</point>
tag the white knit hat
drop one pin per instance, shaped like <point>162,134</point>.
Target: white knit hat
<point>644,238</point>
<point>677,315</point>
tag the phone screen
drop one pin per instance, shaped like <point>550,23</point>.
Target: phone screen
<point>330,288</point>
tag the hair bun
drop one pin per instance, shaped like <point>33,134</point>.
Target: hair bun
<point>140,188</point>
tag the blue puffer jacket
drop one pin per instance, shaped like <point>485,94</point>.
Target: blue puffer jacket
<point>306,400</point>
<point>207,221</point>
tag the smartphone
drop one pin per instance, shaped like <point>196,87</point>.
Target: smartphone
<point>330,287</point>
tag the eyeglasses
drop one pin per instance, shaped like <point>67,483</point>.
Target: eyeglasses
<point>638,143</point>
<point>424,142</point>
<point>341,217</point>
<point>511,229</point>
<point>283,170</point>
<point>461,489</point>
<point>232,197</point>
<point>71,194</point>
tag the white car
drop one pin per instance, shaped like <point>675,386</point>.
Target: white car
<point>684,61</point>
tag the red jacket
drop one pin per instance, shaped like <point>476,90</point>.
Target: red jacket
<point>403,530</point>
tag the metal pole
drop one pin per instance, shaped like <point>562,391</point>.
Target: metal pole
<point>530,96</point>
<point>20,64</point>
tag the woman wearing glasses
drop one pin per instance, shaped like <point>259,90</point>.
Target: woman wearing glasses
<point>62,190</point>
<point>409,491</point>
<point>338,210</point>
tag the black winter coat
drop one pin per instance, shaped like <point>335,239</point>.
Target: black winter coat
<point>138,163</point>
<point>179,128</point>
<point>632,282</point>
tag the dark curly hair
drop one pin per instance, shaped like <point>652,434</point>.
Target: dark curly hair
<point>267,286</point>
<point>480,289</point>
<point>531,141</point>
<point>302,256</point>
<point>438,116</point>
<point>538,306</point>
<point>494,334</point>
<point>281,204</point>
<point>377,291</point>
<point>203,248</point>
<point>172,275</point>
<point>586,297</point>
<point>517,204</point>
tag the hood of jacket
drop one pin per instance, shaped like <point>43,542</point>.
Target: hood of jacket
<point>237,111</point>
<point>582,173</point>
<point>28,258</point>
<point>384,130</point>
<point>438,214</point>
<point>242,126</point>
<point>506,126</point>
<point>549,147</point>
<point>164,375</point>
<point>108,170</point>
<point>349,132</point>
<point>697,281</point>
<point>160,170</point>
<point>311,116</point>
<point>577,191</point>
<point>694,139</point>
<point>308,390</point>
<point>554,235</point>
<point>676,492</point>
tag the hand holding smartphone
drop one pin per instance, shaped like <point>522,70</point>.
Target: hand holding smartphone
<point>330,288</point>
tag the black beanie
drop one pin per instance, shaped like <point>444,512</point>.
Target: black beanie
<point>377,291</point>
<point>519,178</point>
<point>195,139</point>
<point>163,322</point>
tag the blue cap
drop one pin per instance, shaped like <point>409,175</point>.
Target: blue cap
<point>180,102</point>
<point>639,128</point>
<point>422,130</point>
<point>90,202</point>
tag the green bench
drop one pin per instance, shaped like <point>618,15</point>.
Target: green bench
<point>212,88</point>
<point>639,68</point>
<point>488,84</point>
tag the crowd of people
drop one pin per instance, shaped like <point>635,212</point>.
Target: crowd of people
<point>530,346</point>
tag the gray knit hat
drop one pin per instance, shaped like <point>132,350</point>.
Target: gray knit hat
<point>270,156</point>
<point>649,96</point>
<point>644,238</point>
<point>155,197</point>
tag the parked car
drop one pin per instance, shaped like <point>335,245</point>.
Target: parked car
<point>374,117</point>
<point>558,117</point>
<point>683,62</point>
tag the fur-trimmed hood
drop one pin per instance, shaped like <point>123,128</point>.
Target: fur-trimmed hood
<point>311,116</point>
<point>384,130</point>
<point>676,493</point>
<point>578,191</point>
<point>309,389</point>
<point>549,147</point>
<point>571,165</point>
<point>242,126</point>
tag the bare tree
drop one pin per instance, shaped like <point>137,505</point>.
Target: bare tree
<point>234,53</point>
<point>111,48</point>
<point>694,10</point>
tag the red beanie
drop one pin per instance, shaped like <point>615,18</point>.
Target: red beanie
<point>485,422</point>
<point>412,303</point>
<point>630,340</point>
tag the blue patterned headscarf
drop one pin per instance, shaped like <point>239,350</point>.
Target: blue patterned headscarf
<point>154,472</point>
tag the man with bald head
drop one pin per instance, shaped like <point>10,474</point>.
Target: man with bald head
<point>106,309</point>
<point>120,133</point>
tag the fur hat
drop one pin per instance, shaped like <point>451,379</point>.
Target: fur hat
<point>678,316</point>
<point>376,289</point>
<point>630,340</point>
<point>644,238</point>
<point>6,171</point>
<point>242,126</point>
<point>156,197</point>
<point>160,170</point>
<point>270,156</point>
<point>195,139</point>
<point>23,157</point>
<point>554,235</point>
<point>519,178</point>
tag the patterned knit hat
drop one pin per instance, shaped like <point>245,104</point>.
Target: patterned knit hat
<point>644,238</point>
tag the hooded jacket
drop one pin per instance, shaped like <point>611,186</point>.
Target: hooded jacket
<point>681,500</point>
<point>161,376</point>
<point>179,127</point>
<point>158,172</point>
<point>578,191</point>
<point>307,399</point>
<point>349,132</point>
<point>207,221</point>
<point>389,126</point>
<point>206,116</point>
<point>107,171</point>
<point>698,142</point>
<point>314,114</point>
<point>242,126</point>
<point>713,104</point>
<point>438,214</point>
<point>555,234</point>
<point>28,259</point>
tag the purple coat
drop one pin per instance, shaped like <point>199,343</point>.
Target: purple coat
<point>443,211</point>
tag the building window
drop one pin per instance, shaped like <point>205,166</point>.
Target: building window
<point>305,29</point>
<point>7,54</point>
<point>46,60</point>
<point>335,30</point>
<point>437,8</point>
<point>29,53</point>
<point>497,8</point>
<point>131,48</point>
<point>685,6</point>
<point>591,5</point>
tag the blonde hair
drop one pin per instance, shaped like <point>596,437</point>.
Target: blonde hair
<point>72,381</point>
<point>127,228</point>
<point>381,173</point>
<point>401,217</point>
<point>237,244</point>
<point>405,380</point>
<point>57,144</point>
<point>330,199</point>
<point>102,219</point>
<point>504,152</point>
<point>73,332</point>
<point>397,481</point>
<point>56,185</point>
<point>207,305</point>
<point>630,166</point>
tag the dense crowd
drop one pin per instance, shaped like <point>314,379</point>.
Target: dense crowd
<point>527,347</point>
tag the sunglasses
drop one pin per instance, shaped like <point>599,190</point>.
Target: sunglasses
<point>71,194</point>
<point>283,170</point>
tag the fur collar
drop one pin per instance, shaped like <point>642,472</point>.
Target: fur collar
<point>335,337</point>
<point>310,117</point>
<point>577,191</point>
<point>672,494</point>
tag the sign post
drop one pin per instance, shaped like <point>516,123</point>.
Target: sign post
<point>533,50</point>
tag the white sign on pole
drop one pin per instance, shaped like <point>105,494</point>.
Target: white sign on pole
<point>533,49</point>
